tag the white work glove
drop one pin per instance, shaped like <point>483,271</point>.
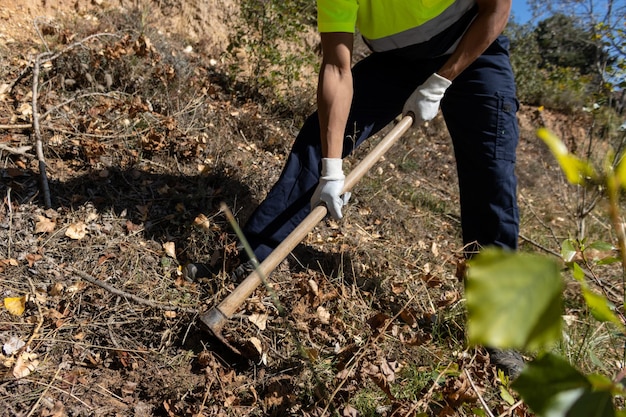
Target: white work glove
<point>424,102</point>
<point>330,187</point>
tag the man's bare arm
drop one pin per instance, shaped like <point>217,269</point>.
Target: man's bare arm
<point>334,91</point>
<point>488,25</point>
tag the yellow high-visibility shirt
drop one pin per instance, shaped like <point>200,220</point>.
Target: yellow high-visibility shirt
<point>389,24</point>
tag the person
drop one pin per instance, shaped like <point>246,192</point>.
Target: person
<point>425,55</point>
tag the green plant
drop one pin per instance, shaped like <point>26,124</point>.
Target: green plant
<point>554,86</point>
<point>565,89</point>
<point>366,401</point>
<point>268,50</point>
<point>514,301</point>
<point>574,57</point>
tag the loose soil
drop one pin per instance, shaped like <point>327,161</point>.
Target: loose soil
<point>148,143</point>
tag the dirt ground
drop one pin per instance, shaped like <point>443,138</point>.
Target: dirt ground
<point>145,144</point>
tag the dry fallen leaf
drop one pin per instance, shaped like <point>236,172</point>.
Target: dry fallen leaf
<point>389,369</point>
<point>25,364</point>
<point>13,345</point>
<point>202,222</point>
<point>349,411</point>
<point>132,227</point>
<point>205,358</point>
<point>9,262</point>
<point>56,289</point>
<point>259,320</point>
<point>448,298</point>
<point>398,287</point>
<point>569,319</point>
<point>435,249</point>
<point>26,109</point>
<point>15,305</point>
<point>76,231</point>
<point>58,410</point>
<point>314,287</point>
<point>431,280</point>
<point>458,391</point>
<point>323,315</point>
<point>7,361</point>
<point>378,321</point>
<point>4,89</point>
<point>44,225</point>
<point>76,287</point>
<point>257,344</point>
<point>170,249</point>
<point>31,258</point>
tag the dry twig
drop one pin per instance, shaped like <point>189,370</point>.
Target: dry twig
<point>43,394</point>
<point>16,127</point>
<point>133,297</point>
<point>22,150</point>
<point>43,178</point>
<point>480,397</point>
<point>41,318</point>
<point>509,412</point>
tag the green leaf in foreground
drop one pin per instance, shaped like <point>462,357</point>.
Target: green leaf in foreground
<point>568,250</point>
<point>600,308</point>
<point>513,300</point>
<point>620,172</point>
<point>575,169</point>
<point>551,387</point>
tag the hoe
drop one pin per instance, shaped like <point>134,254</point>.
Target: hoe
<point>215,318</point>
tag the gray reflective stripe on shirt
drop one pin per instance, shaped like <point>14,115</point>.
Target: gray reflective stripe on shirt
<point>423,32</point>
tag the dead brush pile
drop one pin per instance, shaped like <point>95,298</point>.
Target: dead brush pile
<point>142,140</point>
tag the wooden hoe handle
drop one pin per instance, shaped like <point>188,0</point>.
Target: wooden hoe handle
<point>216,317</point>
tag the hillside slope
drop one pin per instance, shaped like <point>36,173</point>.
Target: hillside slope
<point>144,138</point>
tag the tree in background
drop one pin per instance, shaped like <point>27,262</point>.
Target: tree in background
<point>602,23</point>
<point>574,57</point>
<point>563,42</point>
<point>551,68</point>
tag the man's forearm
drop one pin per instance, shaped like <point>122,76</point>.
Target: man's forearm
<point>334,91</point>
<point>488,25</point>
<point>334,100</point>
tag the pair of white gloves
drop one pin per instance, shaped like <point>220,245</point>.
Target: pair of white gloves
<point>423,104</point>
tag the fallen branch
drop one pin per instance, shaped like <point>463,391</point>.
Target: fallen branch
<point>11,127</point>
<point>51,57</point>
<point>133,297</point>
<point>22,150</point>
<point>43,178</point>
<point>509,412</point>
<point>102,136</point>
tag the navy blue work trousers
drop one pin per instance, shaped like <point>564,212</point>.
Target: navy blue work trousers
<point>479,109</point>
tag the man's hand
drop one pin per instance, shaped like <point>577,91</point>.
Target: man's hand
<point>424,102</point>
<point>330,187</point>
